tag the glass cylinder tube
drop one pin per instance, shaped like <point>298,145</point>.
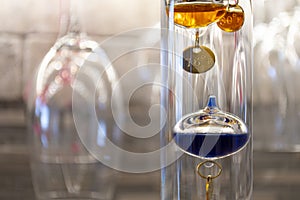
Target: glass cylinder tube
<point>208,61</point>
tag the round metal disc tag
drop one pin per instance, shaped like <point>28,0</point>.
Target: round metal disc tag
<point>198,59</point>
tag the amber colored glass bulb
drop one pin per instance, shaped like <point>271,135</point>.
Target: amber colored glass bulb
<point>233,19</point>
<point>196,15</point>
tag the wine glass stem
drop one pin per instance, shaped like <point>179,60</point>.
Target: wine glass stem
<point>64,17</point>
<point>69,18</point>
<point>75,17</point>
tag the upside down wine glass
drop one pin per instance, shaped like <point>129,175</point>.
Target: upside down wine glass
<point>62,167</point>
<point>206,48</point>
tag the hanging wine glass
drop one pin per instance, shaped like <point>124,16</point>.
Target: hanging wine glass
<point>62,168</point>
<point>276,70</point>
<point>290,73</point>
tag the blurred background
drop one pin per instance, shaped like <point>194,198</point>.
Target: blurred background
<point>30,27</point>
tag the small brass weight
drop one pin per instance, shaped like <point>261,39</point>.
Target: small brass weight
<point>209,177</point>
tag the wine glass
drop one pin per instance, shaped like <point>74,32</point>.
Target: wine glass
<point>62,167</point>
<point>276,69</point>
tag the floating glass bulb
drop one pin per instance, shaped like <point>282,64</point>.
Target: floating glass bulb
<point>233,19</point>
<point>211,133</point>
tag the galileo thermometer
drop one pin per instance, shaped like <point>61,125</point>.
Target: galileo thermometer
<point>207,73</point>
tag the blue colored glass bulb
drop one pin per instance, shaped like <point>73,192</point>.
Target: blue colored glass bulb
<point>211,133</point>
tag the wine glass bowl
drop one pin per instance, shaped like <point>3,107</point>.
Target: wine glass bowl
<point>55,78</point>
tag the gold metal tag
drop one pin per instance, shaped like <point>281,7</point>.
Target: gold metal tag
<point>198,59</point>
<point>233,19</point>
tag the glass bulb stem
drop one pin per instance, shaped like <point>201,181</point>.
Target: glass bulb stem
<point>212,106</point>
<point>199,33</point>
<point>197,39</point>
<point>233,2</point>
<point>212,101</point>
